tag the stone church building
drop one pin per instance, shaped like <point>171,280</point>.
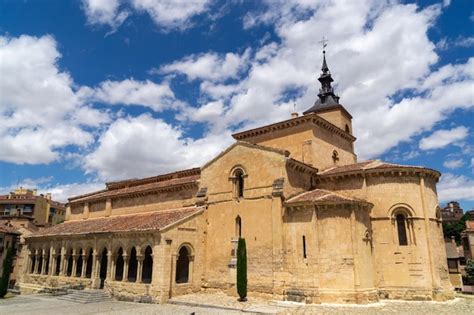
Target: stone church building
<point>320,226</point>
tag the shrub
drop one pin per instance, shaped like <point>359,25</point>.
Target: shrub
<point>242,270</point>
<point>7,269</point>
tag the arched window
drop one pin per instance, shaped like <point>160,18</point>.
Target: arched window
<point>401,229</point>
<point>89,264</point>
<point>69,264</point>
<point>33,263</point>
<point>40,262</point>
<point>238,227</point>
<point>46,268</point>
<point>119,265</point>
<point>79,264</point>
<point>147,269</point>
<point>335,156</point>
<point>58,265</point>
<point>239,183</point>
<point>103,267</point>
<point>182,266</point>
<point>132,266</point>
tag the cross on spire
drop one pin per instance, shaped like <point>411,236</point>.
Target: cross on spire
<point>324,42</point>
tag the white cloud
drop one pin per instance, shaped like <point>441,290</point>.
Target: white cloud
<point>40,112</point>
<point>453,187</point>
<point>453,164</point>
<point>132,92</point>
<point>441,138</point>
<point>168,14</point>
<point>143,146</point>
<point>210,66</point>
<point>59,192</point>
<point>172,14</point>
<point>382,50</point>
<point>104,12</point>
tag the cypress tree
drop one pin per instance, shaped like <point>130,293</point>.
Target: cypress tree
<point>242,270</point>
<point>7,269</point>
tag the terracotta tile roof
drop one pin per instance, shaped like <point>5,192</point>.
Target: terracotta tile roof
<point>346,168</point>
<point>156,220</point>
<point>8,229</point>
<point>108,193</point>
<point>322,196</point>
<point>369,165</point>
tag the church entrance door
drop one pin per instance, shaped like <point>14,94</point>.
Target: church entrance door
<point>103,268</point>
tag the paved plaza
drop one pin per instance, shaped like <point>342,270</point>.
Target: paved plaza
<point>214,304</point>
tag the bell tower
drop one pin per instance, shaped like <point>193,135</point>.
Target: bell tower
<point>327,104</point>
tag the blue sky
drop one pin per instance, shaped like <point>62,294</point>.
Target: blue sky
<point>93,91</point>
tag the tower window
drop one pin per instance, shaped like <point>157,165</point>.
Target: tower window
<point>347,129</point>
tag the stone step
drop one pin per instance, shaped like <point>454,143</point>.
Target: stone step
<point>86,296</point>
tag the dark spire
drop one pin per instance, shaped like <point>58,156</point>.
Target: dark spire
<point>326,96</point>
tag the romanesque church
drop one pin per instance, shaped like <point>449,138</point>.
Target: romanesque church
<point>320,226</point>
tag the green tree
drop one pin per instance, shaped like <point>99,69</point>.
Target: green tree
<point>470,270</point>
<point>242,270</point>
<point>7,269</point>
<point>455,228</point>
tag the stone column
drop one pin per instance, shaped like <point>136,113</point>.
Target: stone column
<point>28,263</point>
<point>62,262</point>
<point>94,264</point>
<point>74,264</point>
<point>37,263</point>
<point>84,265</point>
<point>109,265</point>
<point>139,268</point>
<point>43,266</point>
<point>51,261</point>
<point>125,268</point>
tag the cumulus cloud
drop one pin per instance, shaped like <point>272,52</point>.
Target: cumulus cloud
<point>378,54</point>
<point>104,12</point>
<point>168,14</point>
<point>172,14</point>
<point>143,146</point>
<point>441,138</point>
<point>453,164</point>
<point>40,112</point>
<point>209,66</point>
<point>132,92</point>
<point>59,192</point>
<point>454,187</point>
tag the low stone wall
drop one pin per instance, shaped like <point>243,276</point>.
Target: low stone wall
<point>416,294</point>
<point>32,283</point>
<point>135,292</point>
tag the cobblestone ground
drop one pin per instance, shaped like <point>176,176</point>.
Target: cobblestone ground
<point>457,306</point>
<point>46,305</point>
<point>219,303</point>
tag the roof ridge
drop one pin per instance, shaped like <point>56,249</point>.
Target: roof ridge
<point>136,214</point>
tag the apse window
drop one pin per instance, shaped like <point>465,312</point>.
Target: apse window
<point>402,230</point>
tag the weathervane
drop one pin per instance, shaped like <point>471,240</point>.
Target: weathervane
<point>324,42</point>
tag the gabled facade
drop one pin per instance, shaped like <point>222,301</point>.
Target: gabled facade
<point>319,225</point>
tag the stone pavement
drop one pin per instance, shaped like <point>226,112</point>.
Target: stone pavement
<point>218,303</point>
